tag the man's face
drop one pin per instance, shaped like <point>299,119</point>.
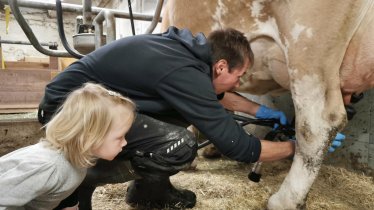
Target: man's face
<point>225,80</point>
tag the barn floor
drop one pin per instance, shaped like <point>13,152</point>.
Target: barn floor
<point>223,184</point>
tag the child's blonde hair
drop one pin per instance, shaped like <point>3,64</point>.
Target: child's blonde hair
<point>82,122</point>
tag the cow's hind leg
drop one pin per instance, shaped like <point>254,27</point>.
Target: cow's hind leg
<point>319,115</point>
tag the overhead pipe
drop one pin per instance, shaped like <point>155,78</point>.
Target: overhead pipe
<point>156,17</point>
<point>61,32</point>
<point>49,44</point>
<point>131,17</point>
<point>110,28</point>
<point>87,10</point>
<point>79,9</point>
<point>30,34</point>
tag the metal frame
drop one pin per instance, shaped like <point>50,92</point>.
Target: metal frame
<point>86,9</point>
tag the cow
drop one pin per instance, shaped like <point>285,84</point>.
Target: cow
<point>322,51</point>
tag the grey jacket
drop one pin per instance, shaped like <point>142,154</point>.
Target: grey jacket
<point>36,177</point>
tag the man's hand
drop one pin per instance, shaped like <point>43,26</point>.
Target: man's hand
<point>267,113</point>
<point>337,142</point>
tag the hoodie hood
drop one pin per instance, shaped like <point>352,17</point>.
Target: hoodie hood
<point>197,45</point>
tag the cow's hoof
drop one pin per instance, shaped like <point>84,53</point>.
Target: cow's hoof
<point>211,152</point>
<point>279,202</point>
<point>274,203</point>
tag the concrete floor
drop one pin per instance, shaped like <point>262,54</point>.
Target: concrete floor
<point>358,149</point>
<point>18,132</point>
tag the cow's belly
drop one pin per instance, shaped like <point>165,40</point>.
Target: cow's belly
<point>269,72</point>
<point>357,70</point>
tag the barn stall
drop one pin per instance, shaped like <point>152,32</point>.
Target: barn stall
<point>344,182</point>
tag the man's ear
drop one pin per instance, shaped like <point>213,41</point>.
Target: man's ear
<point>220,66</point>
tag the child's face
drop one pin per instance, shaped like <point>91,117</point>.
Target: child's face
<point>114,140</point>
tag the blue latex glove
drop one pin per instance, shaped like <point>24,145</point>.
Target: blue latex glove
<point>267,113</point>
<point>337,142</point>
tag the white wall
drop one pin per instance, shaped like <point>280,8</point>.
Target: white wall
<point>44,26</point>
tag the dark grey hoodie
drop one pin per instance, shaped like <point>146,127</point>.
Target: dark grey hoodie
<point>164,74</point>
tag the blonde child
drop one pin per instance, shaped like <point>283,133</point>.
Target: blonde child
<point>91,124</point>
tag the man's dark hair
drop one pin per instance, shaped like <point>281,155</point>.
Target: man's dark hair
<point>231,45</point>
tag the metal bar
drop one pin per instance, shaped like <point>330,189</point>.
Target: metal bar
<point>131,17</point>
<point>98,23</point>
<point>30,34</point>
<point>61,32</point>
<point>204,144</point>
<point>156,17</point>
<point>50,44</point>
<point>87,10</point>
<point>79,9</point>
<point>110,28</point>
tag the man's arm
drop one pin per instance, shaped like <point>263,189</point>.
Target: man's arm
<point>235,102</point>
<point>272,151</point>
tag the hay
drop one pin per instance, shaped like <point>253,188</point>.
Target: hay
<point>223,184</point>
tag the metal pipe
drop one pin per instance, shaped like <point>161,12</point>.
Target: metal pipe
<point>255,174</point>
<point>156,17</point>
<point>50,44</point>
<point>131,17</point>
<point>204,144</point>
<point>61,32</point>
<point>79,9</point>
<point>30,35</point>
<point>97,22</point>
<point>110,28</point>
<point>87,10</point>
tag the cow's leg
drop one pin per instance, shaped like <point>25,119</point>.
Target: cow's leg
<point>319,115</point>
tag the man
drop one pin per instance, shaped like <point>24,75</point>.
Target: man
<point>176,80</point>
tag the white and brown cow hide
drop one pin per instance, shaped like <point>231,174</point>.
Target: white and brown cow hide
<point>318,49</point>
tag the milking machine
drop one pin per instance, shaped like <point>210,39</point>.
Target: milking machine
<point>280,133</point>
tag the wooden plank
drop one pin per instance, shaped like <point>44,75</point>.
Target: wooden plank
<point>20,106</point>
<point>23,89</point>
<point>44,60</point>
<point>65,62</point>
<point>53,63</point>
<point>23,97</point>
<point>29,80</point>
<point>25,65</point>
<point>20,110</point>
